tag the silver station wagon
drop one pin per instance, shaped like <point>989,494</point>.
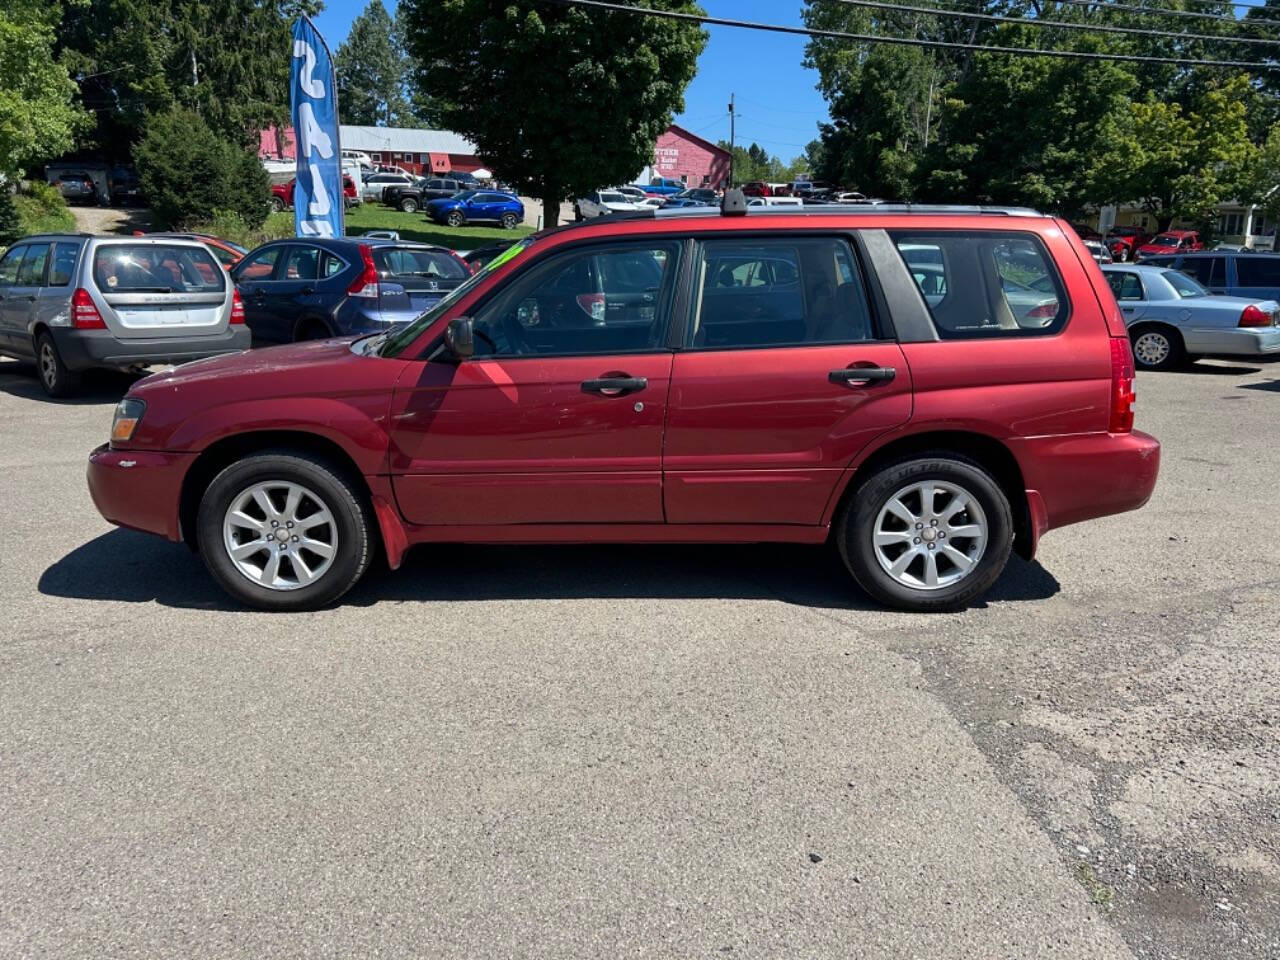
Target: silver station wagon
<point>74,302</point>
<point>1173,319</point>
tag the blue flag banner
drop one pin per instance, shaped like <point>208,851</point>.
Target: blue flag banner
<point>317,194</point>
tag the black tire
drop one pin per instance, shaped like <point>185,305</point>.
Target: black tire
<point>276,204</point>
<point>510,221</point>
<point>353,522</point>
<point>56,379</point>
<point>455,218</point>
<point>409,205</point>
<point>311,330</point>
<point>856,527</point>
<point>1157,347</point>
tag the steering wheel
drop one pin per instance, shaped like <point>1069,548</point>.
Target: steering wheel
<point>477,332</point>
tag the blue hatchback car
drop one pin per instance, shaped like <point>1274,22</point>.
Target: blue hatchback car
<point>316,287</point>
<point>469,206</point>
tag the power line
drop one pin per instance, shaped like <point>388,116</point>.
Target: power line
<point>909,41</point>
<point>1164,12</point>
<point>1063,24</point>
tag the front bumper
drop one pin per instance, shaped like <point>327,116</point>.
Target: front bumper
<point>139,489</point>
<point>86,349</point>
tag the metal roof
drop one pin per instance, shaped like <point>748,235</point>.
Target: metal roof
<point>404,140</point>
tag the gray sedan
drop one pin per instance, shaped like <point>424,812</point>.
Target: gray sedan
<point>1171,318</point>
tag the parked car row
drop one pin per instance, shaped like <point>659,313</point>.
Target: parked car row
<point>282,193</point>
<point>1127,244</point>
<point>71,303</point>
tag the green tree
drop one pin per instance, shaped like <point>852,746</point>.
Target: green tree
<point>1179,162</point>
<point>38,116</point>
<point>192,174</point>
<point>558,100</point>
<point>372,71</point>
<point>227,61</point>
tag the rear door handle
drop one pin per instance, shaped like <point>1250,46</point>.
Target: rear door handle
<point>614,386</point>
<point>862,375</point>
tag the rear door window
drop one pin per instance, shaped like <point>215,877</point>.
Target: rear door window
<point>1258,270</point>
<point>985,284</point>
<point>1125,286</point>
<point>773,292</point>
<point>157,268</point>
<point>31,273</point>
<point>301,263</point>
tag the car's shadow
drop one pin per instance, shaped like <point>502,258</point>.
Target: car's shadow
<point>1219,368</point>
<point>137,568</point>
<point>1272,386</point>
<point>19,379</point>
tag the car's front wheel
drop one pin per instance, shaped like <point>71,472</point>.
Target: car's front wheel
<point>455,219</point>
<point>284,530</point>
<point>58,381</point>
<point>927,534</point>
<point>276,204</point>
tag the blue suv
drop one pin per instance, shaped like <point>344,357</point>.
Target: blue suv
<point>313,287</point>
<point>1230,272</point>
<point>478,205</point>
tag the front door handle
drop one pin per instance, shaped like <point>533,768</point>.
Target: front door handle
<point>308,291</point>
<point>862,375</point>
<point>614,386</point>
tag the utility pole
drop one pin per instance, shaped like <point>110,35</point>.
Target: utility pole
<point>731,116</point>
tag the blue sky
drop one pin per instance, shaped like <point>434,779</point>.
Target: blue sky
<point>778,106</point>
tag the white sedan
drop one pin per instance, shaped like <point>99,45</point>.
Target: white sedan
<point>603,202</point>
<point>1171,318</point>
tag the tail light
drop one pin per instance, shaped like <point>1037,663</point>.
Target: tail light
<point>237,307</point>
<point>1122,388</point>
<point>592,305</point>
<point>1046,311</point>
<point>365,285</point>
<point>84,312</point>
<point>1253,316</point>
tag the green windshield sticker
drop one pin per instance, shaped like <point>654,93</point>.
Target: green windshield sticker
<point>509,254</point>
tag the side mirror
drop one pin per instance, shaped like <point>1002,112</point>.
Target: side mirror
<point>460,338</point>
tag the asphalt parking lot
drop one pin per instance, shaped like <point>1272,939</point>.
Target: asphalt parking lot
<point>658,752</point>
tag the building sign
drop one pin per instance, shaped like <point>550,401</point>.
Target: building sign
<point>666,158</point>
<point>317,195</point>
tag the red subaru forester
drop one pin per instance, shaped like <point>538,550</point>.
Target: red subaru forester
<point>931,387</point>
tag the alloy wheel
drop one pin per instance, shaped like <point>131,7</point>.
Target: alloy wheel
<point>280,535</point>
<point>930,535</point>
<point>48,366</point>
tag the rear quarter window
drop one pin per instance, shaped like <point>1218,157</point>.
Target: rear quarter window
<point>985,284</point>
<point>1258,270</point>
<point>156,268</point>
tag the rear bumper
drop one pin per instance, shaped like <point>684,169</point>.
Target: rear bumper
<point>1082,477</point>
<point>139,489</point>
<point>1235,342</point>
<point>85,349</point>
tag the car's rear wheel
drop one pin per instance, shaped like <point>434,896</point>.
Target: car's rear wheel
<point>409,205</point>
<point>455,219</point>
<point>1157,347</point>
<point>283,530</point>
<point>927,534</point>
<point>55,378</point>
<point>510,221</point>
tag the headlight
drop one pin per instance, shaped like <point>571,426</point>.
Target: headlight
<point>128,413</point>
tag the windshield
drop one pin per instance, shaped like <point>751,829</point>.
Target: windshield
<point>1164,240</point>
<point>400,340</point>
<point>1184,286</point>
<point>464,195</point>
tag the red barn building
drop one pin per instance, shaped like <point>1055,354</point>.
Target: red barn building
<point>681,155</point>
<point>418,151</point>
